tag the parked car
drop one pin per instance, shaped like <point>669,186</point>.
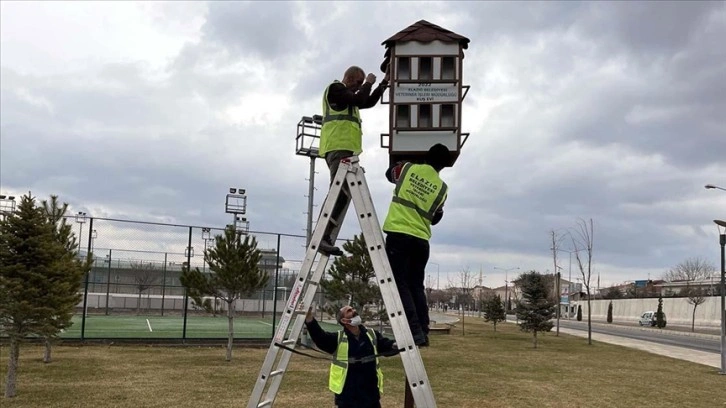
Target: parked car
<point>648,319</point>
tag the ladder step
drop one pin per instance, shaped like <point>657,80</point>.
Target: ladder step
<point>289,341</point>
<point>267,403</point>
<point>276,373</point>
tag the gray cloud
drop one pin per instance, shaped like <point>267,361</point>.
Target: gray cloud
<point>604,110</point>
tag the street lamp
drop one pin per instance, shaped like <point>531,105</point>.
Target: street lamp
<point>506,286</point>
<point>722,241</point>
<point>710,186</point>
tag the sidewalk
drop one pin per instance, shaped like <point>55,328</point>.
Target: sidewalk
<point>681,353</point>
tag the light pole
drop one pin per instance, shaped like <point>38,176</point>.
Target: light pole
<point>236,204</point>
<point>80,219</point>
<point>7,205</point>
<point>506,286</point>
<point>307,144</point>
<point>710,186</point>
<point>207,237</point>
<point>722,290</point>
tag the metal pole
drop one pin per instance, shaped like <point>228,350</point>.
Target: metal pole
<point>85,291</point>
<point>186,293</point>
<point>108,281</point>
<point>722,241</point>
<point>277,274</point>
<point>569,291</point>
<point>557,279</point>
<point>311,191</point>
<point>163,283</point>
<point>506,298</point>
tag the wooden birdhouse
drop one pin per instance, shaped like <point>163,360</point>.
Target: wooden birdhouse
<point>426,91</point>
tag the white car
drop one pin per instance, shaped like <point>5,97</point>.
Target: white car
<point>648,319</point>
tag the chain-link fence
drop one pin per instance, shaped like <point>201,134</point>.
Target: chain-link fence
<point>133,288</point>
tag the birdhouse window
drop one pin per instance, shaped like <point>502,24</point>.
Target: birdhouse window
<point>403,66</point>
<point>447,116</point>
<point>426,68</point>
<point>448,68</point>
<point>424,116</point>
<point>403,116</point>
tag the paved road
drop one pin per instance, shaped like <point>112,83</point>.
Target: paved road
<point>695,347</point>
<point>694,341</point>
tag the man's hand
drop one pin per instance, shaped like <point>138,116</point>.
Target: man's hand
<point>371,78</point>
<point>310,316</point>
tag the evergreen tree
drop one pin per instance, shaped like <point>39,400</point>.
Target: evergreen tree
<point>537,307</point>
<point>579,313</point>
<point>353,276</point>
<point>660,320</point>
<point>610,312</point>
<point>234,273</point>
<point>494,310</point>
<point>64,277</point>
<point>29,251</point>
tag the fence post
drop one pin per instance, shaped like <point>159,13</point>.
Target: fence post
<point>108,281</point>
<point>163,284</point>
<point>85,291</point>
<point>274,296</point>
<point>186,293</point>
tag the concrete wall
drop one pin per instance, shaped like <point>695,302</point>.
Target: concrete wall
<point>678,311</point>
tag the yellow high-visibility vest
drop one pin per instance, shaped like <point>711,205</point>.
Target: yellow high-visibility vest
<point>341,128</point>
<point>339,366</point>
<point>418,194</point>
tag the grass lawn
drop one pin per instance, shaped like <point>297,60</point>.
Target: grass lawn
<point>480,369</point>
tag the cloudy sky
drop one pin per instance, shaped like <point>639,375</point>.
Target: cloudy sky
<point>612,111</point>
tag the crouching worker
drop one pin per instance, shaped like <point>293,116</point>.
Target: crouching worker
<point>355,374</point>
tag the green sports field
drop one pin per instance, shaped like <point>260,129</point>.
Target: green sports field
<point>169,327</point>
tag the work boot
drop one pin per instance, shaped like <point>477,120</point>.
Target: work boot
<point>327,248</point>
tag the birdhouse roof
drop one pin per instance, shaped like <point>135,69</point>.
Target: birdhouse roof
<point>423,31</point>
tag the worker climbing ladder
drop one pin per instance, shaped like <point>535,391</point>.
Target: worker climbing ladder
<point>349,185</point>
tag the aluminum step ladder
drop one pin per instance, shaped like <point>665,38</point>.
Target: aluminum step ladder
<point>349,185</point>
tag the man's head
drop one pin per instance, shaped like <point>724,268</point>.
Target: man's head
<point>345,315</point>
<point>438,156</point>
<point>354,77</point>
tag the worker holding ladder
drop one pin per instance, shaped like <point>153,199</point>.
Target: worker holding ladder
<point>355,376</point>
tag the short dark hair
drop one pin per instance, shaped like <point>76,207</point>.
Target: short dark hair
<point>438,156</point>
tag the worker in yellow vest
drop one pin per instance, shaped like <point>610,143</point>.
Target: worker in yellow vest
<point>417,204</point>
<point>355,375</point>
<point>341,135</point>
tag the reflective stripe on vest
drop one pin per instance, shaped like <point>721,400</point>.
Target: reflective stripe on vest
<point>339,365</point>
<point>414,204</point>
<point>341,129</point>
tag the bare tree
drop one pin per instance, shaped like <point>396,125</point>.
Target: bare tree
<point>145,276</point>
<point>463,286</point>
<point>696,296</point>
<point>584,241</point>
<point>692,269</point>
